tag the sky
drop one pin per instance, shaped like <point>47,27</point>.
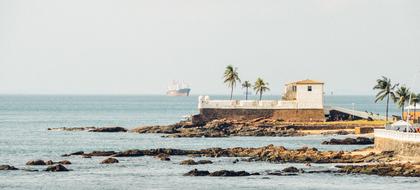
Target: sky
<point>140,46</point>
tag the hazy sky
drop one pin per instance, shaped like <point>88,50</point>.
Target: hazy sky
<point>138,47</point>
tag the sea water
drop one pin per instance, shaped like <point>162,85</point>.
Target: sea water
<point>24,121</point>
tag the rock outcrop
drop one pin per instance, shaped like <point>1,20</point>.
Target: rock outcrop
<point>406,170</point>
<point>90,129</point>
<point>350,141</point>
<point>221,173</point>
<point>270,153</point>
<point>222,128</point>
<point>56,168</point>
<point>7,167</point>
<point>192,162</point>
<point>109,161</point>
<point>48,162</point>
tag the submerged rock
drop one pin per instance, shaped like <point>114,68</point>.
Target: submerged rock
<point>64,162</point>
<point>7,167</point>
<point>196,172</point>
<point>36,162</point>
<point>163,157</point>
<point>221,173</point>
<point>292,170</point>
<point>229,173</point>
<point>90,129</point>
<point>350,141</point>
<point>109,129</point>
<point>56,168</point>
<point>74,153</point>
<point>192,162</point>
<point>110,161</point>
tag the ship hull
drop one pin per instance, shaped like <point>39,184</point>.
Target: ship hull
<point>180,92</point>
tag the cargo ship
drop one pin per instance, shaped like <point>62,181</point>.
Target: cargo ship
<point>178,89</point>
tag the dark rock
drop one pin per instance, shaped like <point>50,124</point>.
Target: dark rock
<point>196,172</point>
<point>282,174</point>
<point>7,167</point>
<point>109,129</point>
<point>235,161</point>
<point>86,156</point>
<point>291,170</point>
<point>129,153</point>
<point>49,162</point>
<point>110,161</point>
<point>406,170</point>
<point>36,162</point>
<point>74,153</point>
<point>64,162</point>
<point>228,173</point>
<point>56,168</point>
<point>192,162</point>
<point>163,157</point>
<point>350,141</point>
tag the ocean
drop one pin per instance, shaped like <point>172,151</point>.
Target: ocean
<point>24,120</point>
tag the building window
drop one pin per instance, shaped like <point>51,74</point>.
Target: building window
<point>309,88</point>
<point>294,89</point>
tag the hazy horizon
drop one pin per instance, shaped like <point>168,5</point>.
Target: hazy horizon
<point>133,47</point>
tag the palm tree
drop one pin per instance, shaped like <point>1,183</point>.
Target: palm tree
<point>386,89</point>
<point>246,85</point>
<point>231,77</point>
<point>402,96</point>
<point>260,87</point>
<point>415,99</point>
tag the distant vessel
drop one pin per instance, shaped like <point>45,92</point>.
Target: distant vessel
<point>178,89</point>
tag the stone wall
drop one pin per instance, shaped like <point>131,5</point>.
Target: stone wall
<point>404,148</point>
<point>208,114</point>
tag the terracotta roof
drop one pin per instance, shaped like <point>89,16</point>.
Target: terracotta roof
<point>307,81</point>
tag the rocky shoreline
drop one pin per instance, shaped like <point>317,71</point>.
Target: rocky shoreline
<point>383,163</point>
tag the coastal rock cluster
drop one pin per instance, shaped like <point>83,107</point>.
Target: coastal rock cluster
<point>48,162</point>
<point>270,153</point>
<point>398,169</point>
<point>192,162</point>
<point>90,129</point>
<point>350,141</point>
<point>221,173</point>
<point>223,128</point>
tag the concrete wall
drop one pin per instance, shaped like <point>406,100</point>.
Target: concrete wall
<point>209,114</point>
<point>310,99</point>
<point>405,144</point>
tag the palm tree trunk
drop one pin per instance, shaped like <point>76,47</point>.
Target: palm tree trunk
<point>387,105</point>
<point>260,95</point>
<point>246,95</point>
<point>415,110</point>
<point>231,92</point>
<point>402,111</point>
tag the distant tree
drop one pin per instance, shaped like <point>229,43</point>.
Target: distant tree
<point>246,85</point>
<point>415,99</point>
<point>402,95</point>
<point>386,90</point>
<point>260,87</point>
<point>231,77</point>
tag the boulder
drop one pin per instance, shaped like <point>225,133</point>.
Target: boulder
<point>64,162</point>
<point>109,129</point>
<point>56,168</point>
<point>7,167</point>
<point>163,157</point>
<point>110,161</point>
<point>196,172</point>
<point>36,162</point>
<point>192,162</point>
<point>350,141</point>
<point>49,162</point>
<point>229,173</point>
<point>291,170</point>
<point>74,153</point>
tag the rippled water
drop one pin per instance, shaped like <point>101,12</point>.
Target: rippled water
<point>23,136</point>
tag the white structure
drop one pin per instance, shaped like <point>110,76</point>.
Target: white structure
<point>305,94</point>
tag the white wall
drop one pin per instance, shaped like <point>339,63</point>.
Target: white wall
<point>310,99</point>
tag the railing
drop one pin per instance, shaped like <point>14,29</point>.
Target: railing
<point>396,135</point>
<point>205,102</point>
